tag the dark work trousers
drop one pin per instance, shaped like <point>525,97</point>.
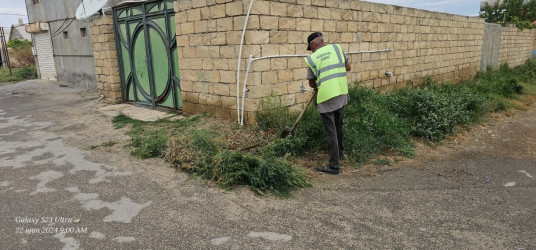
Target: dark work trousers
<point>334,135</point>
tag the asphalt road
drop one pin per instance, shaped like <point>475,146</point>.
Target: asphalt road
<point>61,189</point>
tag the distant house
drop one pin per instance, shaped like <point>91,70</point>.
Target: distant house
<point>62,44</point>
<point>19,32</point>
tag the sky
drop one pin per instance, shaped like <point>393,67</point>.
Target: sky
<point>12,7</point>
<point>460,7</point>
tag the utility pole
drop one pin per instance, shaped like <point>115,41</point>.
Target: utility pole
<point>4,57</point>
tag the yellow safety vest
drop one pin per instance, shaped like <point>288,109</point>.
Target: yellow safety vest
<point>329,67</point>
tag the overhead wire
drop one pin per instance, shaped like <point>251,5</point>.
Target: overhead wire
<point>59,31</point>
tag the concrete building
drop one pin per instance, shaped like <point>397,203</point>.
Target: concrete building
<point>62,44</point>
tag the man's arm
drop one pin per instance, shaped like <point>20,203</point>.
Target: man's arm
<point>348,66</point>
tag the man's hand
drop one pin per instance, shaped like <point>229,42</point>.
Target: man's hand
<point>348,66</point>
<point>312,84</point>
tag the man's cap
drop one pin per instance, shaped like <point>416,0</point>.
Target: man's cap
<point>311,38</point>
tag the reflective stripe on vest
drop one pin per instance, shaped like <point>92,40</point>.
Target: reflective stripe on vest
<point>328,70</point>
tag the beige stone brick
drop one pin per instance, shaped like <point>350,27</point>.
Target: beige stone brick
<point>222,89</point>
<point>218,39</point>
<point>348,15</point>
<point>199,3</point>
<point>213,100</point>
<point>287,24</point>
<point>228,51</point>
<point>191,97</point>
<point>325,14</point>
<point>234,8</point>
<point>320,3</point>
<point>228,102</point>
<point>295,10</point>
<point>330,25</point>
<point>251,118</point>
<point>278,9</point>
<point>224,24</point>
<point>285,75</point>
<point>222,113</point>
<point>233,37</point>
<point>217,11</point>
<point>200,26</point>
<point>280,89</point>
<point>300,37</point>
<point>193,15</point>
<point>259,91</point>
<point>261,65</point>
<point>332,3</point>
<point>186,28</point>
<point>269,77</point>
<point>253,22</point>
<point>186,86</point>
<point>278,37</point>
<point>270,49</point>
<point>188,108</point>
<point>257,37</point>
<point>188,52</point>
<point>260,7</point>
<point>228,76</point>
<point>269,22</point>
<point>288,49</point>
<point>251,104</point>
<point>278,63</point>
<point>303,24</point>
<point>342,26</point>
<point>296,62</point>
<point>300,73</point>
<point>310,12</point>
<point>288,100</point>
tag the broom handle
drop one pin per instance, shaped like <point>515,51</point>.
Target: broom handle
<point>303,111</point>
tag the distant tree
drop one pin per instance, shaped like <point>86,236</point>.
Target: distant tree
<point>19,44</point>
<point>20,52</point>
<point>519,12</point>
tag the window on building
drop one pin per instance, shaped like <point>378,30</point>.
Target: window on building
<point>65,35</point>
<point>83,32</point>
<point>36,1</point>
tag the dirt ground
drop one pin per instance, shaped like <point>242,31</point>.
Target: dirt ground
<point>475,190</point>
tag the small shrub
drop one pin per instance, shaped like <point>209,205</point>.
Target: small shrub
<point>147,144</point>
<point>272,115</point>
<point>19,74</point>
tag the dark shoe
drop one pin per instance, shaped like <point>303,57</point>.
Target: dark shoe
<point>328,170</point>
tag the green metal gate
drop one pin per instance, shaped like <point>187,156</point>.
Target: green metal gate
<point>147,53</point>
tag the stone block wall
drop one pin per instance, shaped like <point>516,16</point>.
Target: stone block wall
<point>516,45</point>
<point>445,46</point>
<point>534,42</point>
<point>106,62</point>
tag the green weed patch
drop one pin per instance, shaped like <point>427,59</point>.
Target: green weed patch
<point>19,74</point>
<point>376,123</point>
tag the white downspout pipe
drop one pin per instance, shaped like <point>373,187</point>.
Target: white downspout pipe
<point>239,61</point>
<point>245,89</point>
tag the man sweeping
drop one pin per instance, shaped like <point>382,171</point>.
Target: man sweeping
<point>327,74</point>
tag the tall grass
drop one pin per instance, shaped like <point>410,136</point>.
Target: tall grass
<point>376,123</point>
<point>19,74</point>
